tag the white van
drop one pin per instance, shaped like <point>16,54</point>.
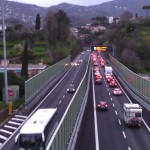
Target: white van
<point>132,114</point>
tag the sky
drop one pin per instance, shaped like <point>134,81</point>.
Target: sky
<point>47,3</point>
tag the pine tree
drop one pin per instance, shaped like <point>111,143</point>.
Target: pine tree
<point>38,22</point>
<point>24,60</point>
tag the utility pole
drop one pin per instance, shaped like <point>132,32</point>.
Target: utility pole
<point>4,48</point>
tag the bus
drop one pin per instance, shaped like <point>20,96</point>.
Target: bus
<point>34,133</point>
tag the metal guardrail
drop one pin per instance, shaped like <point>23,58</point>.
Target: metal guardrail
<point>36,83</point>
<point>62,134</point>
<point>138,84</point>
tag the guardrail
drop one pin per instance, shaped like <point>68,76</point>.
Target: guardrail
<point>36,83</point>
<point>63,132</point>
<point>138,84</point>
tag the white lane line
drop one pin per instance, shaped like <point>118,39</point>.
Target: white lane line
<point>10,127</point>
<point>111,99</point>
<point>148,128</point>
<point>3,137</point>
<point>0,144</point>
<point>16,123</point>
<point>109,93</point>
<point>20,116</point>
<point>64,96</point>
<point>95,118</point>
<point>17,119</point>
<point>119,121</point>
<point>59,102</point>
<point>116,112</point>
<point>113,105</point>
<point>124,135</point>
<point>5,131</point>
<point>129,148</point>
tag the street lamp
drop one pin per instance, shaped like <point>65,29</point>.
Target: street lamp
<point>4,48</point>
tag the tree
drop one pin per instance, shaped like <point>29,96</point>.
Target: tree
<point>125,17</point>
<point>100,20</point>
<point>147,9</point>
<point>50,28</point>
<point>24,60</point>
<point>62,25</point>
<point>38,22</point>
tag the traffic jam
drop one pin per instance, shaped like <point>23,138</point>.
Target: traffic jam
<point>101,72</point>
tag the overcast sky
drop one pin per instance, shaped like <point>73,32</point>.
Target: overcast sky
<point>47,3</point>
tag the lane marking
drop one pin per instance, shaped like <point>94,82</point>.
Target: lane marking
<point>113,105</point>
<point>3,137</point>
<point>111,99</point>
<point>119,121</point>
<point>129,148</point>
<point>5,131</point>
<point>64,96</point>
<point>17,119</point>
<point>95,117</point>
<point>59,102</point>
<point>116,112</point>
<point>15,123</point>
<point>124,134</point>
<point>10,127</point>
<point>20,116</point>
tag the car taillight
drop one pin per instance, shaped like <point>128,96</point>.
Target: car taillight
<point>106,105</point>
<point>98,105</point>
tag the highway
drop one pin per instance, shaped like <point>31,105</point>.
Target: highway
<point>105,130</point>
<point>100,130</point>
<point>56,98</point>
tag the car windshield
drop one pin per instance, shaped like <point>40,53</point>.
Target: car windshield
<point>102,102</point>
<point>71,86</point>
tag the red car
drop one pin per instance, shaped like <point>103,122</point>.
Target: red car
<point>112,84</point>
<point>98,77</point>
<point>109,79</point>
<point>102,105</point>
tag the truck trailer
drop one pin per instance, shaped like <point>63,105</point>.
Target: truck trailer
<point>132,114</point>
<point>108,71</point>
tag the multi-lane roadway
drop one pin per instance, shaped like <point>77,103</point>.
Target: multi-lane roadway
<point>56,98</point>
<point>106,130</point>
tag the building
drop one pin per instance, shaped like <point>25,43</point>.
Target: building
<point>33,69</point>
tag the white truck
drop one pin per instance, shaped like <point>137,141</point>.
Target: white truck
<point>132,114</point>
<point>108,70</point>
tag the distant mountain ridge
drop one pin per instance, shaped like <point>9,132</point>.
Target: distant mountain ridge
<point>78,14</point>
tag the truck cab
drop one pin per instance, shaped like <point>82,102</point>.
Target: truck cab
<point>132,114</point>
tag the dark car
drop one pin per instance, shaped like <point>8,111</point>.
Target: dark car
<point>98,81</point>
<point>71,88</point>
<point>102,105</point>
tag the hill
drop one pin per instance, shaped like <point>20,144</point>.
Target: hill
<point>78,14</point>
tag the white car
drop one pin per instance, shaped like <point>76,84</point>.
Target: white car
<point>117,91</point>
<point>76,64</point>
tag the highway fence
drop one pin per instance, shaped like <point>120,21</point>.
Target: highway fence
<point>138,84</point>
<point>62,134</point>
<point>34,85</point>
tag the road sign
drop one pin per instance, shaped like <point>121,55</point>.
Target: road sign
<point>10,92</point>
